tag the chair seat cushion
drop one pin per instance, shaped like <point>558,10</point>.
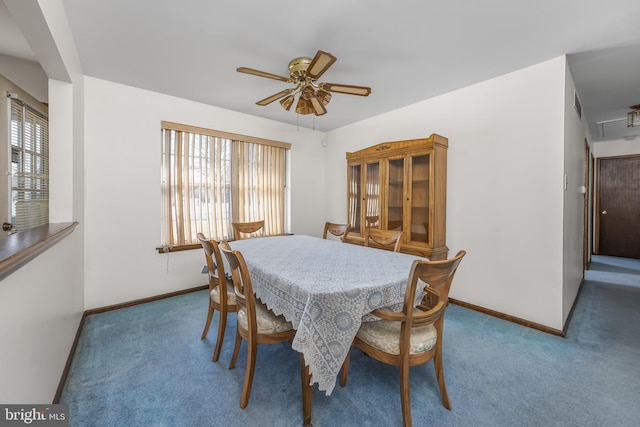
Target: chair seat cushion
<point>385,335</point>
<point>231,295</point>
<point>268,322</point>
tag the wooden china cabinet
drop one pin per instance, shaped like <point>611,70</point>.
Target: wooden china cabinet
<point>401,185</point>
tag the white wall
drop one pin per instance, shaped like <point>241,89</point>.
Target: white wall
<point>27,75</point>
<point>39,317</point>
<point>122,188</point>
<point>576,132</point>
<point>621,147</point>
<point>505,192</point>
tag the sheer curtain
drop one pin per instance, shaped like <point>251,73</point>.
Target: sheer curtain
<point>354,197</point>
<point>372,194</point>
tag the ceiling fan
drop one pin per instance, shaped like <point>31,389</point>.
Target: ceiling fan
<point>312,95</point>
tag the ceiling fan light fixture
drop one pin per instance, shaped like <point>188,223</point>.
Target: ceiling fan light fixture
<point>633,117</point>
<point>287,102</point>
<point>323,96</point>
<point>304,106</point>
<point>307,92</point>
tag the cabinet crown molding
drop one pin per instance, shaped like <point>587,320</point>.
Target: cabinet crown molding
<point>401,146</point>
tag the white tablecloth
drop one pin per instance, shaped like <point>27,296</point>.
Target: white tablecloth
<point>324,287</point>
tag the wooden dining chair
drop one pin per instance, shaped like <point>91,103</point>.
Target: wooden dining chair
<point>255,322</point>
<point>372,220</point>
<point>253,229</point>
<point>338,230</point>
<point>414,335</point>
<point>222,297</point>
<point>389,239</point>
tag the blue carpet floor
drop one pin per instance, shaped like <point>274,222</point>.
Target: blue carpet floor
<point>146,366</point>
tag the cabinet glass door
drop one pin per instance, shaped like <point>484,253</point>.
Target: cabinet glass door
<point>420,199</point>
<point>395,202</point>
<point>372,195</point>
<point>355,197</point>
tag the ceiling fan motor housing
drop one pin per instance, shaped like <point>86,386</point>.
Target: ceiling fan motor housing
<point>298,67</point>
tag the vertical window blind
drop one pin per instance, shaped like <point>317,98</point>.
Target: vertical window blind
<point>211,178</point>
<point>29,135</point>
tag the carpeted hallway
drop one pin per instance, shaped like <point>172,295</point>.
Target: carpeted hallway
<point>146,366</point>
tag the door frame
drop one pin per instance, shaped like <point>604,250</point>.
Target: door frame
<point>587,203</point>
<point>596,211</point>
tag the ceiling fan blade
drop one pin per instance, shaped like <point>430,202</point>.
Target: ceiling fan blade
<point>262,74</point>
<point>319,64</point>
<point>348,89</point>
<point>275,97</point>
<point>318,106</point>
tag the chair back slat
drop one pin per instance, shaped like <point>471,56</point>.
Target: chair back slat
<point>389,239</point>
<point>338,230</point>
<point>253,228</point>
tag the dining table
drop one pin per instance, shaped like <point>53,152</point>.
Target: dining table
<point>326,289</point>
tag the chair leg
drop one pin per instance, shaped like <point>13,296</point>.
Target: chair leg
<point>405,397</point>
<point>307,392</point>
<point>236,349</point>
<point>437,364</point>
<point>206,325</point>
<point>344,372</point>
<point>222,325</point>
<point>252,350</point>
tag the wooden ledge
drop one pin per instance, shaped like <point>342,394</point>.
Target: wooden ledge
<point>19,248</point>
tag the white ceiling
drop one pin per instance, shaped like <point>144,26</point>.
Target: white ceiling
<point>406,51</point>
<point>12,43</point>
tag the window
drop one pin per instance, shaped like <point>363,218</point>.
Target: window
<point>29,134</point>
<point>212,178</point>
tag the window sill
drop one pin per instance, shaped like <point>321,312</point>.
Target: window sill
<point>178,248</point>
<point>19,248</point>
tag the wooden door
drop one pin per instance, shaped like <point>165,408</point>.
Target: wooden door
<point>618,213</point>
